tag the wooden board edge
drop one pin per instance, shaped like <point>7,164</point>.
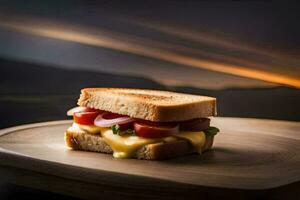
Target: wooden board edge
<point>33,125</point>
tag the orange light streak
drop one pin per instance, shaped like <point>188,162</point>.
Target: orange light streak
<point>141,47</point>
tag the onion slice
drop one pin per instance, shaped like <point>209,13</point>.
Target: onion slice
<point>75,109</point>
<point>102,122</point>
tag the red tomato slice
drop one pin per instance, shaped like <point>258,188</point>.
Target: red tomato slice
<point>86,117</point>
<point>125,127</point>
<point>198,124</point>
<point>155,130</point>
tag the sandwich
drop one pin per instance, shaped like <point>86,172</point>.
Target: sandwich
<point>141,124</point>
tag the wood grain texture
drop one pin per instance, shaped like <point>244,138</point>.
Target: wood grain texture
<point>248,154</point>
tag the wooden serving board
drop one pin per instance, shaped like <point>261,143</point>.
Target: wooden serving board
<point>248,155</point>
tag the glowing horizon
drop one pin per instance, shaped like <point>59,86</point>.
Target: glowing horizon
<point>127,43</point>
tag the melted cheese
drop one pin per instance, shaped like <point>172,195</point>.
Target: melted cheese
<point>197,139</point>
<point>126,146</point>
<point>87,128</point>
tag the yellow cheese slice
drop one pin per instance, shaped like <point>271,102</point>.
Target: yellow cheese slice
<point>87,128</point>
<point>125,146</point>
<point>197,139</point>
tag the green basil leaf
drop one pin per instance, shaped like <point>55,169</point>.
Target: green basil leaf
<point>116,129</point>
<point>211,131</point>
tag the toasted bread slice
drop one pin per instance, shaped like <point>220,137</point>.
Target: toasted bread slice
<point>152,105</point>
<point>80,140</point>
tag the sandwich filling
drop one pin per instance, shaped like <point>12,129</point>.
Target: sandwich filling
<point>126,135</point>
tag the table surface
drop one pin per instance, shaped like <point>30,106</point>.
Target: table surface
<point>253,155</point>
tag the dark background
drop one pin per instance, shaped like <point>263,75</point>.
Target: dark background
<point>41,78</point>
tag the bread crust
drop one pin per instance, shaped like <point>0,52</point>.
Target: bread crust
<point>152,105</point>
<point>80,140</point>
